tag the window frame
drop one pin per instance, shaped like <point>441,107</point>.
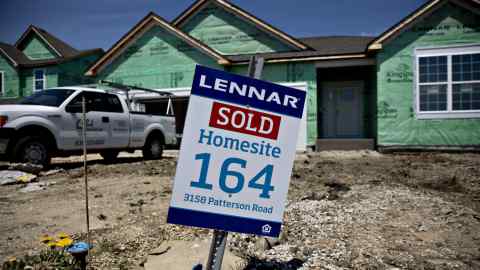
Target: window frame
<point>108,95</point>
<point>2,79</point>
<point>103,96</point>
<point>447,51</point>
<point>44,79</point>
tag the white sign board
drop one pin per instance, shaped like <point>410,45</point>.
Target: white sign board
<point>237,153</point>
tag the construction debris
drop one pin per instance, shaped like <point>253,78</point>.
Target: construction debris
<point>32,187</point>
<point>26,167</point>
<point>15,177</point>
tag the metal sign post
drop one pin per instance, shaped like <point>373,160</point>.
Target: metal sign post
<point>219,239</point>
<point>217,249</point>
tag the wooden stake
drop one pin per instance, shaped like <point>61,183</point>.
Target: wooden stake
<point>85,175</point>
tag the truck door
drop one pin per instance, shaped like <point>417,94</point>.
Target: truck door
<point>118,122</point>
<point>98,129</point>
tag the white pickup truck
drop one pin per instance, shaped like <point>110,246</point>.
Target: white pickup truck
<point>49,124</point>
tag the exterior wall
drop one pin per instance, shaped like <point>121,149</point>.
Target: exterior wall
<point>157,60</point>
<point>20,83</point>
<point>293,72</point>
<point>11,79</point>
<point>37,49</point>
<point>397,124</point>
<point>26,79</point>
<point>72,72</point>
<point>229,34</point>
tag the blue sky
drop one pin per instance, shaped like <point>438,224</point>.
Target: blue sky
<point>92,24</point>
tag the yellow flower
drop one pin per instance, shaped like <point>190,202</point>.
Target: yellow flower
<point>65,242</point>
<point>46,239</point>
<point>51,244</point>
<point>63,235</point>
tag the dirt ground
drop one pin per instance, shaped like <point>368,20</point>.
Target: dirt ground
<point>349,210</point>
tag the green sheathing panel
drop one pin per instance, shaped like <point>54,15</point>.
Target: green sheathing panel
<point>26,79</point>
<point>37,49</point>
<point>157,59</point>
<point>397,125</point>
<point>20,83</point>
<point>10,78</point>
<point>291,73</point>
<point>72,72</point>
<point>229,34</point>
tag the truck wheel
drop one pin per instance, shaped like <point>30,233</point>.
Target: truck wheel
<point>109,156</point>
<point>153,148</point>
<point>33,150</point>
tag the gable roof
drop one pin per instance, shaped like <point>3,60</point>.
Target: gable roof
<point>199,4</point>
<point>60,48</point>
<point>417,15</point>
<point>13,54</point>
<point>19,59</point>
<point>143,25</point>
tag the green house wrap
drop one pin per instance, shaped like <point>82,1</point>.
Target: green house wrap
<point>399,121</point>
<point>39,60</point>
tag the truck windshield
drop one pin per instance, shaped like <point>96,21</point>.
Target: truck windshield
<point>52,97</point>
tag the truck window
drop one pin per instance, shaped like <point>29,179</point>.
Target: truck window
<point>51,97</point>
<point>113,104</point>
<point>163,106</point>
<point>99,102</point>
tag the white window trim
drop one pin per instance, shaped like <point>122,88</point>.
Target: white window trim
<point>442,51</point>
<point>44,79</point>
<point>2,78</point>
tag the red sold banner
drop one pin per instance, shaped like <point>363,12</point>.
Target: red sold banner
<point>245,121</point>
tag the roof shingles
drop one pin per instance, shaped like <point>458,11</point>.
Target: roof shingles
<point>322,46</point>
<point>14,55</point>
<point>63,48</point>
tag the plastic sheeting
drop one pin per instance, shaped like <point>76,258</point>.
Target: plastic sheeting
<point>397,123</point>
<point>229,34</point>
<point>15,177</point>
<point>157,59</point>
<point>37,49</point>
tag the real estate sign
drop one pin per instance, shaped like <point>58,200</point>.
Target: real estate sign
<point>237,154</point>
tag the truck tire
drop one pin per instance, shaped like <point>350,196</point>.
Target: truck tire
<point>109,156</point>
<point>32,149</point>
<point>153,148</point>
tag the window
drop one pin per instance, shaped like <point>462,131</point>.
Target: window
<point>99,102</point>
<point>51,97</point>
<point>113,104</point>
<point>39,79</point>
<point>2,83</point>
<point>448,82</point>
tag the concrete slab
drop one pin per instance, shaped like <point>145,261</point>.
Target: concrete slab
<point>183,255</point>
